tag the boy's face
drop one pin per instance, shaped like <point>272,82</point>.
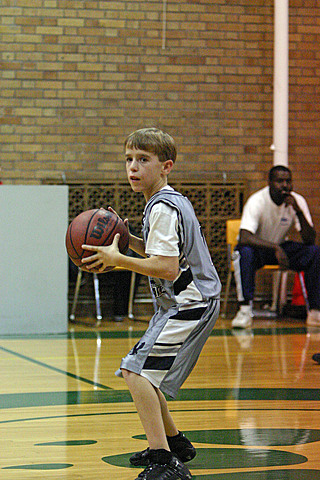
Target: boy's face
<point>145,172</point>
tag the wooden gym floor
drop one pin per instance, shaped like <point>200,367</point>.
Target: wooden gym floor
<point>251,405</point>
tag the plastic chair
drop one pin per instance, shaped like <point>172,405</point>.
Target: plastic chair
<point>279,290</point>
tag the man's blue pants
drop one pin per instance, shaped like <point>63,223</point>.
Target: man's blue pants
<point>302,258</point>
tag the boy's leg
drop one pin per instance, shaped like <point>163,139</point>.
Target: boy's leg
<point>157,421</point>
<point>177,441</point>
<point>149,409</point>
<point>169,425</point>
<point>161,463</point>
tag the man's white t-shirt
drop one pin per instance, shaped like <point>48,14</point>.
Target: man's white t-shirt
<point>270,222</point>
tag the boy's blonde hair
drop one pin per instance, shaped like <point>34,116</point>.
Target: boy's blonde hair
<point>153,140</point>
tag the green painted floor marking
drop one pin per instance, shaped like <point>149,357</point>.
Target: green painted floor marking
<point>188,394</point>
<point>176,410</point>
<point>216,332</point>
<point>67,443</point>
<point>41,399</point>
<point>18,400</point>
<point>285,474</point>
<point>55,369</point>
<point>40,466</point>
<point>226,458</point>
<point>257,437</point>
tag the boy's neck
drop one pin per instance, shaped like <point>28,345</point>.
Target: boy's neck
<point>148,195</point>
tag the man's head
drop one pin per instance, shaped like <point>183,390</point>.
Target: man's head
<point>155,141</point>
<point>280,183</point>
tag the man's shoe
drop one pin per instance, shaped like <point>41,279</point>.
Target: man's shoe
<point>316,357</point>
<point>164,466</point>
<point>313,318</point>
<point>179,445</point>
<point>244,337</point>
<point>243,319</point>
<point>314,333</point>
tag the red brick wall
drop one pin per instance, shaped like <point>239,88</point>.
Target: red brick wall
<point>77,76</point>
<point>304,90</point>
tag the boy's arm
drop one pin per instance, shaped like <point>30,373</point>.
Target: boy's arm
<point>157,266</point>
<point>137,245</point>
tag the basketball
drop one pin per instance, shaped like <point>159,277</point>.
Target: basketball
<point>94,227</point>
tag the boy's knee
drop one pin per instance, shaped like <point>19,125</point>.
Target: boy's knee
<point>127,374</point>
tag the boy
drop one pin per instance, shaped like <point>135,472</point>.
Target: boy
<point>186,287</point>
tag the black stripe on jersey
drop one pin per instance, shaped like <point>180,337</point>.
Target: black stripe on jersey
<point>190,314</point>
<point>168,344</point>
<point>158,363</point>
<point>182,282</point>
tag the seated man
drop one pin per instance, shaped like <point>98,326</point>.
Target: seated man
<point>266,220</point>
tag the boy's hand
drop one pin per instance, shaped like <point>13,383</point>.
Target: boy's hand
<point>102,257</point>
<point>126,221</point>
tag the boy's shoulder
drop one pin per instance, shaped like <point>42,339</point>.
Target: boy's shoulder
<point>170,197</point>
<point>175,200</point>
<point>166,194</point>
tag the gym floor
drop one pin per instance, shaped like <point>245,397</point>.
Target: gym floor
<point>251,405</point>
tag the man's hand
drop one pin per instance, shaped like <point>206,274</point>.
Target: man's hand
<point>281,257</point>
<point>290,200</point>
<point>307,232</point>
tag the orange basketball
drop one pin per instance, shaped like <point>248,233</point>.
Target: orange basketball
<point>94,227</point>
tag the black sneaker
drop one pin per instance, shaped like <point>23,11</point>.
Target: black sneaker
<point>182,447</point>
<point>164,466</point>
<point>179,445</point>
<point>316,357</point>
<point>140,459</point>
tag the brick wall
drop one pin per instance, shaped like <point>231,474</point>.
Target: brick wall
<point>77,76</point>
<point>304,117</point>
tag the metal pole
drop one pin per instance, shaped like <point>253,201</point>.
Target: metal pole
<point>281,80</point>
